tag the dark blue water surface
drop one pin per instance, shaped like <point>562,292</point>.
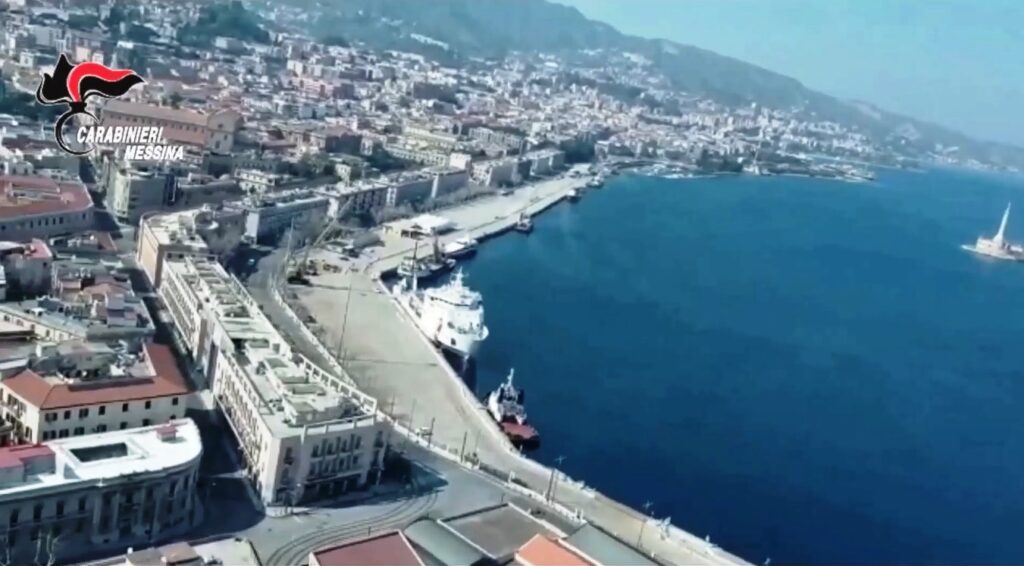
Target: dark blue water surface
<point>806,370</point>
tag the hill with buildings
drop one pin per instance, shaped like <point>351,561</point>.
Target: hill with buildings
<point>453,30</point>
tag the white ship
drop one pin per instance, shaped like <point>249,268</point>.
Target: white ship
<point>450,316</point>
<point>997,246</point>
<point>460,248</point>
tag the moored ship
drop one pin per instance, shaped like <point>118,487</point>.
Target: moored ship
<point>505,404</point>
<point>462,247</point>
<point>450,316</point>
<point>524,224</point>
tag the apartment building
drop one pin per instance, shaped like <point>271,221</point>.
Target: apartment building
<point>200,232</point>
<point>212,132</point>
<point>303,432</point>
<point>41,207</point>
<point>65,499</point>
<point>77,388</point>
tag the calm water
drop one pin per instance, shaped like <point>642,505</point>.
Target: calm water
<point>806,370</point>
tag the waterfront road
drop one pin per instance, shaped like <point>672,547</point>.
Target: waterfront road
<point>391,361</point>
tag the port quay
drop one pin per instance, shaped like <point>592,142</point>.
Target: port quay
<point>424,398</point>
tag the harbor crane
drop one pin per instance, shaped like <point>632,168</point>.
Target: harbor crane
<point>302,265</point>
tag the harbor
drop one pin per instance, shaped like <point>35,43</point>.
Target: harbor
<point>356,316</point>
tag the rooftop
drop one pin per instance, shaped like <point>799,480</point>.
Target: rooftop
<point>290,397</point>
<point>499,530</point>
<point>544,551</point>
<point>156,375</point>
<point>28,196</point>
<point>87,460</point>
<point>387,549</point>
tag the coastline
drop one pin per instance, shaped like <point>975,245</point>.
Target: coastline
<point>484,219</point>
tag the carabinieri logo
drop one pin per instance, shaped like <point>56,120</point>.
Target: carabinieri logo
<point>74,84</point>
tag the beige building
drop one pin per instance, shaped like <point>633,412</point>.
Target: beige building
<point>80,388</point>
<point>200,232</point>
<point>66,499</point>
<point>304,433</point>
<point>214,132</point>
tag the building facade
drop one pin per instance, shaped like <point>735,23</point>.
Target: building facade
<point>304,433</point>
<point>40,207</point>
<point>68,498</point>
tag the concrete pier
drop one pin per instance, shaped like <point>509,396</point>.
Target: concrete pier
<point>351,314</point>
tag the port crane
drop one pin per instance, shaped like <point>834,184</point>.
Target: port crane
<point>302,265</point>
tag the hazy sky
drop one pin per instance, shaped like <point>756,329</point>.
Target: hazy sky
<point>959,63</point>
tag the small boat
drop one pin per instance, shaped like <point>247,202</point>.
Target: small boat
<point>505,404</point>
<point>524,224</point>
<point>596,183</point>
<point>574,194</point>
<point>462,247</point>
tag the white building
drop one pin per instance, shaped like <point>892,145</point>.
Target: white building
<point>304,433</point>
<point>74,496</point>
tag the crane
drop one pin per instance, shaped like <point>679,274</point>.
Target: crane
<point>299,274</point>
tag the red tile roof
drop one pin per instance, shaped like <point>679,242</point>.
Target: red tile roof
<point>28,196</point>
<point>542,551</point>
<point>389,549</point>
<point>47,395</point>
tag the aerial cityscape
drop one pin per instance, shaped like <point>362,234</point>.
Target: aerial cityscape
<point>392,282</point>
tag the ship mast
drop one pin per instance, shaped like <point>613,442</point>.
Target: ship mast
<point>998,239</point>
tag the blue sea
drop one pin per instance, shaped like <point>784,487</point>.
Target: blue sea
<point>807,370</point>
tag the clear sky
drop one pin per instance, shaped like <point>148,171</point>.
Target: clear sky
<point>959,63</point>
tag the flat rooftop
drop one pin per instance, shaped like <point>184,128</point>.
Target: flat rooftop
<point>94,458</point>
<point>500,530</point>
<point>290,396</point>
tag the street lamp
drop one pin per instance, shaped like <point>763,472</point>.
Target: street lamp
<point>551,481</point>
<point>647,514</point>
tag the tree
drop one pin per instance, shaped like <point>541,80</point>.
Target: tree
<point>174,100</point>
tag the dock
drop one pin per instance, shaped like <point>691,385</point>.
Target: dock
<point>355,321</point>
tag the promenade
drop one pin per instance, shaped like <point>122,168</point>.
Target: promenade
<point>352,317</point>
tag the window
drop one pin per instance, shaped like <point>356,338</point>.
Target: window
<point>103,410</point>
<point>124,425</point>
<point>60,509</point>
<point>83,413</point>
<point>124,408</point>
<point>14,517</point>
<point>174,401</point>
<point>63,433</point>
<point>174,417</point>
<point>67,415</point>
<point>101,428</point>
<point>149,404</point>
<point>81,503</point>
<point>37,511</point>
<point>79,431</point>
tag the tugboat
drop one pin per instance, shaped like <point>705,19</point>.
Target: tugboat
<point>505,404</point>
<point>524,224</point>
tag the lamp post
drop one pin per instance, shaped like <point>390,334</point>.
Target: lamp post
<point>647,514</point>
